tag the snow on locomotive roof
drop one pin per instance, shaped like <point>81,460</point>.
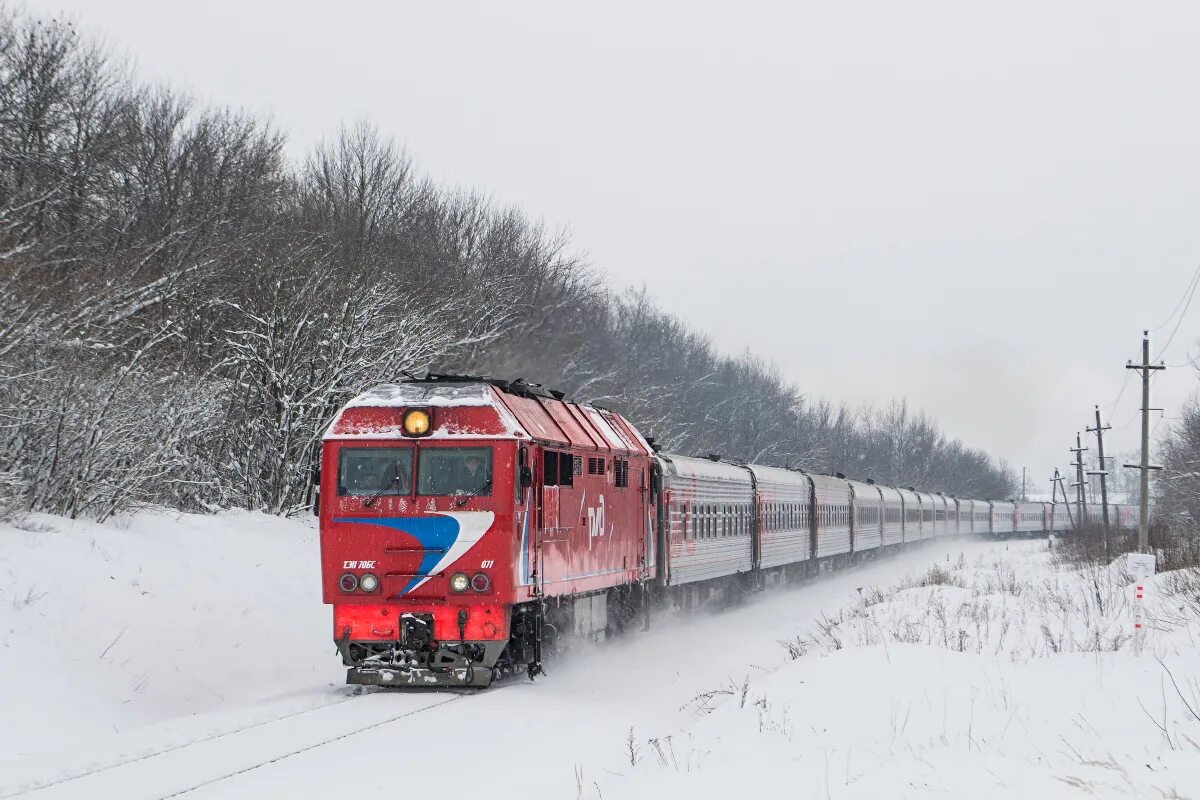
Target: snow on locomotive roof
<point>523,411</point>
<point>442,395</point>
<point>426,395</point>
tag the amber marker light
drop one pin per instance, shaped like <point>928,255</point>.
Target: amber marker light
<point>416,422</point>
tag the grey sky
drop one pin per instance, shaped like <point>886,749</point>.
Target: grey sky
<point>978,206</point>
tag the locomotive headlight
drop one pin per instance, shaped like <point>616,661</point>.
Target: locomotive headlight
<point>368,583</point>
<point>459,582</point>
<point>348,583</point>
<point>416,422</point>
<point>481,582</point>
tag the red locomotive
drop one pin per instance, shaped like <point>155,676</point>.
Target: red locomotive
<point>466,523</point>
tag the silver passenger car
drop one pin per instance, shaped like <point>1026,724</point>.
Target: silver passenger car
<point>785,516</point>
<point>832,509</point>
<point>868,516</point>
<point>709,509</point>
<point>1003,517</point>
<point>928,514</point>
<point>893,515</point>
<point>912,515</point>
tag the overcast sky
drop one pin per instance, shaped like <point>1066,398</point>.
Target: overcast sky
<point>977,206</point>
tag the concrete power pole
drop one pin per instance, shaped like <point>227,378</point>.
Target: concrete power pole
<point>1103,473</point>
<point>1144,511</point>
<point>1079,450</point>
<point>1057,481</point>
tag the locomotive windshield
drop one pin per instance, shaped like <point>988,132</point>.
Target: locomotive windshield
<point>455,470</point>
<point>375,471</point>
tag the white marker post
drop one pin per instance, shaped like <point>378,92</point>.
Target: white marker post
<point>1141,565</point>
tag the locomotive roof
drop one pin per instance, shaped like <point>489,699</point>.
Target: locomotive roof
<point>522,411</point>
<point>442,395</point>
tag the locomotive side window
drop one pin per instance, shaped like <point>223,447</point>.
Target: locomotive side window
<point>558,469</point>
<point>620,473</point>
<point>374,470</point>
<point>455,470</point>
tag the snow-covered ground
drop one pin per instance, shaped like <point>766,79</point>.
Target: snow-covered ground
<point>106,628</point>
<point>182,654</point>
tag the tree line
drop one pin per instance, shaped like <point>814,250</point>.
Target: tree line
<point>182,307</point>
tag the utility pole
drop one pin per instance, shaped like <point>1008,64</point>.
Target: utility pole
<point>1079,450</point>
<point>1023,496</point>
<point>1103,473</point>
<point>1057,481</point>
<point>1144,511</point>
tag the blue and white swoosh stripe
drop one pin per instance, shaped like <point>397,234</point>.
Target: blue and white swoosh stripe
<point>446,536</point>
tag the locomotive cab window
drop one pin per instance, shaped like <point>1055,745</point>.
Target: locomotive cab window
<point>375,471</point>
<point>455,470</point>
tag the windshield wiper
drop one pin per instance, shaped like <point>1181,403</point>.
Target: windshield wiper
<point>382,489</point>
<point>461,499</point>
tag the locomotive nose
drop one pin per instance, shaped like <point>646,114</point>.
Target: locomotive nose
<point>421,646</point>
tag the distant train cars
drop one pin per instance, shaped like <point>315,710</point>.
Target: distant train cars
<point>468,524</point>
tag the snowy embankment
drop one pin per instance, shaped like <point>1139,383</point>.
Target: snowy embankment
<point>181,654</point>
<point>1003,677</point>
<point>104,628</point>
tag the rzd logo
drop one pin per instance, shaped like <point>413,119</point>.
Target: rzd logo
<point>596,521</point>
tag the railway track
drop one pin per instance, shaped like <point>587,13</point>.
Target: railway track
<point>177,769</point>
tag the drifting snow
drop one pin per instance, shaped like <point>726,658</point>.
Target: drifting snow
<point>183,653</point>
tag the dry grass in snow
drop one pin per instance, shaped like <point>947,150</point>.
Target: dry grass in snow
<point>1005,676</point>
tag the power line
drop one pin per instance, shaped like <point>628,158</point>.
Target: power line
<point>1189,294</point>
<point>1112,407</point>
<point>1136,411</point>
<point>1190,283</point>
<point>1190,361</point>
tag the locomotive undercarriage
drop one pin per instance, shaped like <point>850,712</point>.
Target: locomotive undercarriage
<point>538,629</point>
<point>417,660</point>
